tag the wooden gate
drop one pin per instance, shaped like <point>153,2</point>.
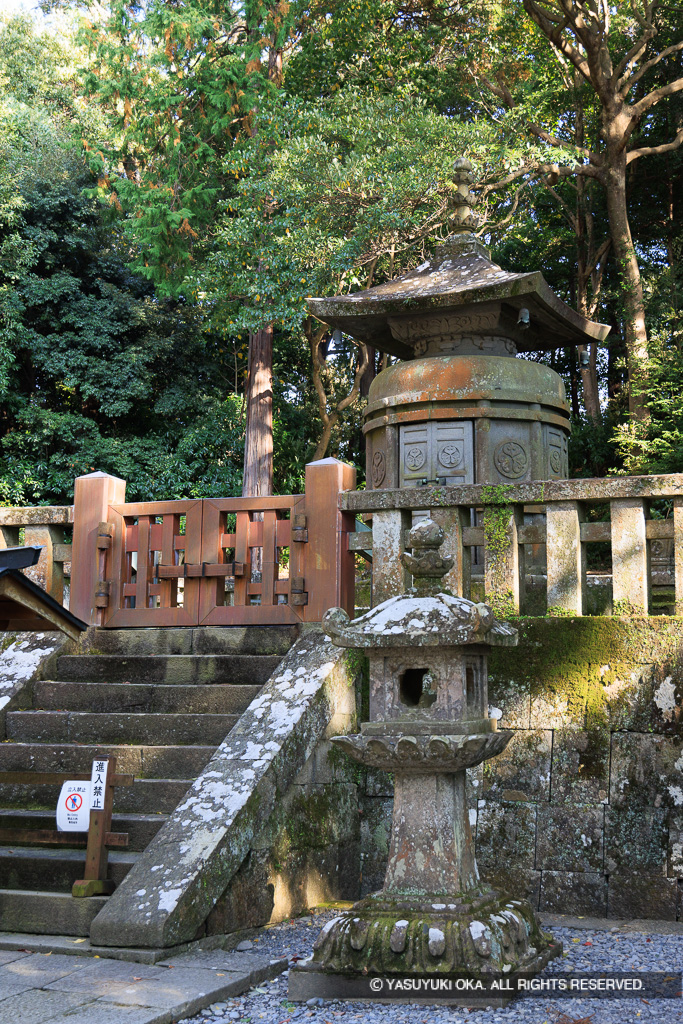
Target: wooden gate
<point>154,571</point>
<point>215,561</point>
<point>253,555</point>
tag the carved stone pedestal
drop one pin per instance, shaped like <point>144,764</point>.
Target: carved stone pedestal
<point>480,934</point>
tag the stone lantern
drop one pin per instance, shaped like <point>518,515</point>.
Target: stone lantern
<point>459,408</point>
<point>428,723</point>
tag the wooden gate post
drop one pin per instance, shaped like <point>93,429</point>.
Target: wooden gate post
<point>329,566</point>
<point>93,494</point>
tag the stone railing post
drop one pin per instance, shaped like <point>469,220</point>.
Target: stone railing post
<point>93,494</point>
<point>453,521</point>
<point>389,577</point>
<point>329,566</point>
<point>678,554</point>
<point>566,562</point>
<point>43,526</point>
<point>630,570</point>
<point>9,535</point>
<point>503,558</point>
<point>46,573</point>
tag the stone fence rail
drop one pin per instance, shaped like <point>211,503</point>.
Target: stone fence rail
<point>494,534</point>
<point>502,522</point>
<point>50,526</point>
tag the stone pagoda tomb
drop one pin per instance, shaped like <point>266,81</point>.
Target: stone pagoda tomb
<point>428,723</point>
<point>459,408</point>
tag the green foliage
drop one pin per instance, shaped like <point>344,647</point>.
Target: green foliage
<point>496,523</point>
<point>96,371</point>
<point>322,190</point>
<point>177,88</point>
<point>217,192</point>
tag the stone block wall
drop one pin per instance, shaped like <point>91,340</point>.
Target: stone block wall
<point>583,812</point>
<point>308,852</point>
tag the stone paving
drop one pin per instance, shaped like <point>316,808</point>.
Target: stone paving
<point>47,988</point>
<point>249,985</point>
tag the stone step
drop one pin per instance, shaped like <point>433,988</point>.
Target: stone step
<point>152,762</point>
<point>192,640</point>
<point>147,796</point>
<point>47,913</point>
<point>252,669</point>
<point>196,699</point>
<point>32,867</point>
<point>141,828</point>
<point>150,796</point>
<point>83,727</point>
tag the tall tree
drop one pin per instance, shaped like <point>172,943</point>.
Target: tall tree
<point>612,49</point>
<point>183,83</point>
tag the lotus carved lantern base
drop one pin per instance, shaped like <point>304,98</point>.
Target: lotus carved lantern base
<point>475,935</point>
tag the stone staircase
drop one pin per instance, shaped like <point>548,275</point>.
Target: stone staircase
<point>161,701</point>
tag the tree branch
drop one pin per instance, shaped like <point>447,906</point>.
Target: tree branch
<point>553,140</point>
<point>633,54</point>
<point>667,147</point>
<point>563,206</point>
<point>553,30</point>
<point>642,106</point>
<point>599,255</point>
<point>329,421</point>
<point>637,75</point>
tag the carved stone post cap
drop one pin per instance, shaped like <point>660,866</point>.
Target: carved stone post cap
<point>463,169</point>
<point>426,563</point>
<point>426,534</point>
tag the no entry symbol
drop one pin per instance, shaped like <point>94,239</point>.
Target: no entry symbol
<point>74,802</point>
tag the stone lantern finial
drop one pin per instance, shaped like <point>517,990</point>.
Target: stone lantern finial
<point>425,563</point>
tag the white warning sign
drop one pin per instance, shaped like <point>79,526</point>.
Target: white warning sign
<point>73,808</point>
<point>98,784</point>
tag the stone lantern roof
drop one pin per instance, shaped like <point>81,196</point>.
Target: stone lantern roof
<point>460,290</point>
<point>428,615</point>
<point>438,620</point>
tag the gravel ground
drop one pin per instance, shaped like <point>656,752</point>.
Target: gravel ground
<point>584,951</point>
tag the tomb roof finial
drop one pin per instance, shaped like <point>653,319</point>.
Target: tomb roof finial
<point>464,218</point>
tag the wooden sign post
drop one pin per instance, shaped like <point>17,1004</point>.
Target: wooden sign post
<point>95,882</point>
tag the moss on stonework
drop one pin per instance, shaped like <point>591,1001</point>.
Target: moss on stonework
<point>6,640</point>
<point>315,819</point>
<point>574,661</point>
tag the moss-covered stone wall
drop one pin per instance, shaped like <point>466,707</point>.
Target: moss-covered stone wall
<point>583,812</point>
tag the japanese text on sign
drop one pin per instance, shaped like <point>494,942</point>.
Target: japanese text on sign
<point>98,784</point>
<point>73,807</point>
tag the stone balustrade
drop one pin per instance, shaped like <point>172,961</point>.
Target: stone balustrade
<point>49,526</point>
<point>493,521</point>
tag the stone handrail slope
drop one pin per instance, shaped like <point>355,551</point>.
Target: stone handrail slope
<point>187,867</point>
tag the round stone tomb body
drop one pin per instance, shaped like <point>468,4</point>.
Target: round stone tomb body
<point>461,419</point>
<point>459,407</point>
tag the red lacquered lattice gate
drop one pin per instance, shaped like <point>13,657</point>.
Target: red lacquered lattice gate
<point>220,561</point>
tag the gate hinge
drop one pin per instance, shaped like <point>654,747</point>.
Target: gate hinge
<point>297,595</point>
<point>105,532</point>
<point>299,531</point>
<point>102,592</point>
